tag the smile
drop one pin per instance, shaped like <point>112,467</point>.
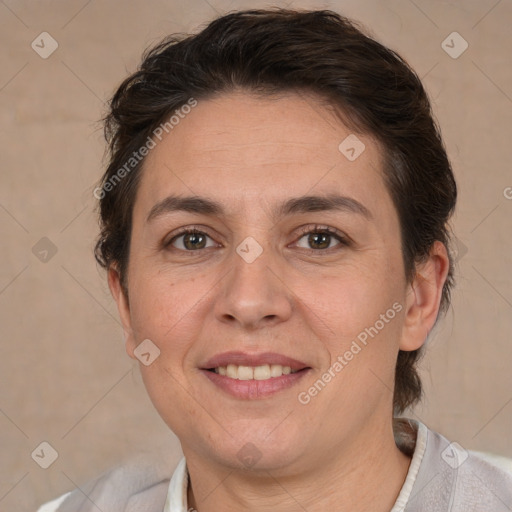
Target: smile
<point>253,376</point>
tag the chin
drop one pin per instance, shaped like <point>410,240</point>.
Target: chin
<point>268,446</point>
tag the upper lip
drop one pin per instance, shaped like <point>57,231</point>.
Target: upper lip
<point>243,359</point>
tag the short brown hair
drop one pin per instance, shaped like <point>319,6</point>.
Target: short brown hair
<point>278,50</point>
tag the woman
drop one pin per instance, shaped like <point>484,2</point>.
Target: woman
<point>274,227</point>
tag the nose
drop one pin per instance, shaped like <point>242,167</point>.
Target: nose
<point>254,294</point>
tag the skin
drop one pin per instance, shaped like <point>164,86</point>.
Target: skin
<point>297,299</point>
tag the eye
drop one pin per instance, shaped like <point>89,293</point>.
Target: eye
<point>321,238</point>
<point>190,240</point>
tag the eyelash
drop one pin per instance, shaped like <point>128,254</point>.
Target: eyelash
<point>317,229</point>
<point>320,230</point>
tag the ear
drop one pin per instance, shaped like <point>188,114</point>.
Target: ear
<point>114,283</point>
<point>424,297</point>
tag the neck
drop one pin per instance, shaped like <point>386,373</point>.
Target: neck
<point>366,475</point>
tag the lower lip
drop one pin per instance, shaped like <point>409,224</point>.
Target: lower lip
<point>255,389</point>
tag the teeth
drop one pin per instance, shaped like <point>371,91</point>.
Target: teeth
<point>262,372</point>
<point>245,373</point>
<point>276,370</point>
<point>232,371</point>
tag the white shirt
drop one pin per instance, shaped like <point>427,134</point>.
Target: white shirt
<point>442,477</point>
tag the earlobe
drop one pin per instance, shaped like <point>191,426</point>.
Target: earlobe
<point>116,289</point>
<point>424,297</point>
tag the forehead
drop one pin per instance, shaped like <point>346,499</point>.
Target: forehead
<point>241,148</point>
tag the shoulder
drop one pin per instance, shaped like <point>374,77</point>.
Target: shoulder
<point>491,475</point>
<point>144,477</point>
<point>452,478</point>
<point>499,461</point>
<point>52,506</point>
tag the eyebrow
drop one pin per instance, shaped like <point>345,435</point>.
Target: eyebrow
<point>295,205</point>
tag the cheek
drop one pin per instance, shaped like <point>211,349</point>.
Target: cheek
<point>363,308</point>
<point>171,310</point>
<point>166,312</point>
<point>158,304</point>
<point>352,300</point>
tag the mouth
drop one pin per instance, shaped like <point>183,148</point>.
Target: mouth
<point>253,376</point>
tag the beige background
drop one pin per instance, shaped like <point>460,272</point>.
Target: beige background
<point>64,376</point>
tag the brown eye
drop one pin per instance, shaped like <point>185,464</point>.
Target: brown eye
<point>320,239</point>
<point>190,241</point>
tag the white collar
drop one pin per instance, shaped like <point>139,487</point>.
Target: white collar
<point>178,486</point>
<point>417,457</point>
<point>177,495</point>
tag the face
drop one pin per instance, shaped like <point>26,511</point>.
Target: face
<point>279,315</point>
